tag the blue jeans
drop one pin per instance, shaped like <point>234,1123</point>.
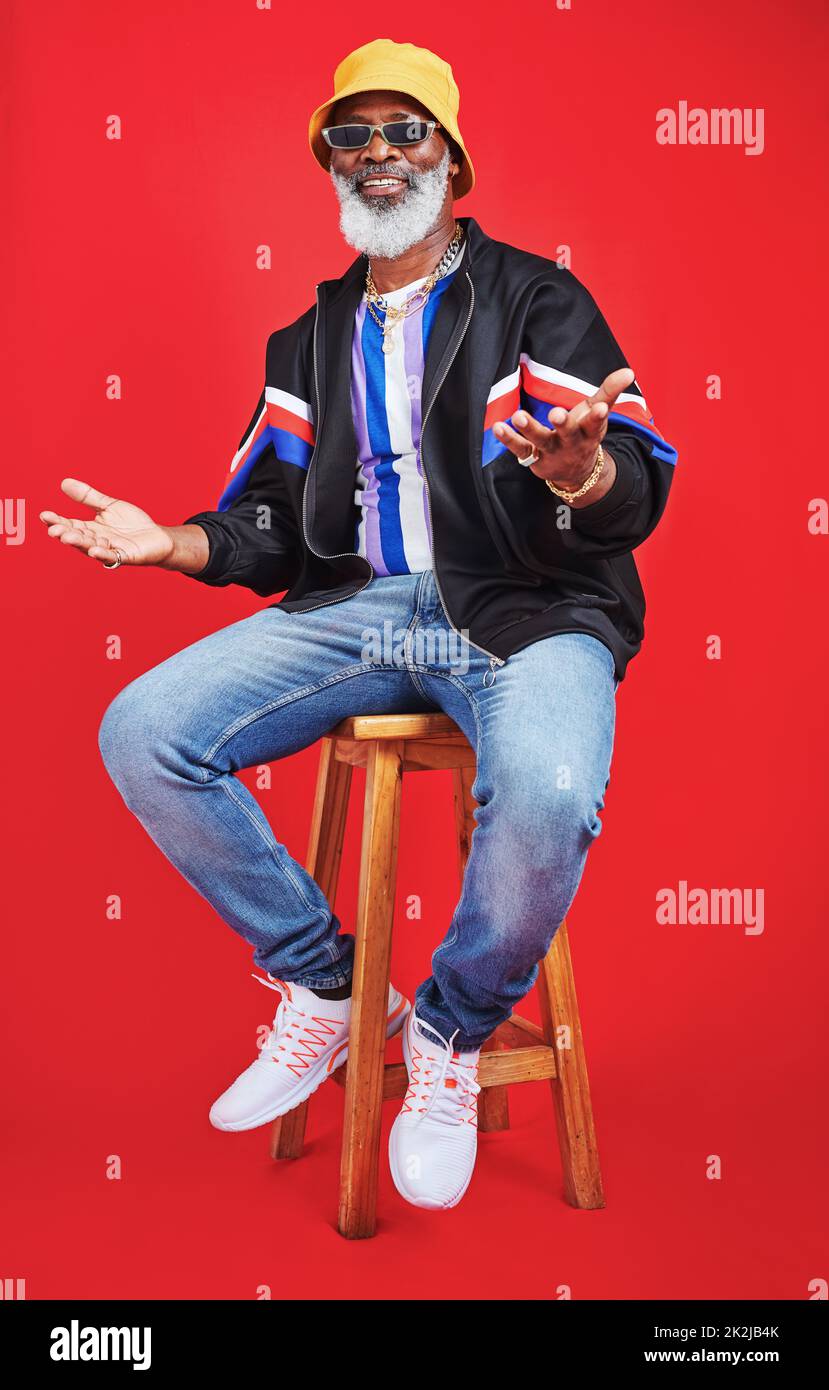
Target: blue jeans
<point>263,688</point>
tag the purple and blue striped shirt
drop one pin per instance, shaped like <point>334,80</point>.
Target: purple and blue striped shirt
<point>394,532</point>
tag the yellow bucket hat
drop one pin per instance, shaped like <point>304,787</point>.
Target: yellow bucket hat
<point>384,65</point>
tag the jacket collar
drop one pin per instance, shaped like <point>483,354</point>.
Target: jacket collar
<point>330,485</point>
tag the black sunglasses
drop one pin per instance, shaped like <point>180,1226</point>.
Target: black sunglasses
<point>356,137</point>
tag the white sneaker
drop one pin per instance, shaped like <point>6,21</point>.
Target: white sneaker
<point>308,1041</point>
<point>434,1140</point>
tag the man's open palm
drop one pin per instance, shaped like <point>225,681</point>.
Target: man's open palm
<point>569,447</point>
<point>116,524</point>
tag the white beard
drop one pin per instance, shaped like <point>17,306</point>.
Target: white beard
<point>384,227</point>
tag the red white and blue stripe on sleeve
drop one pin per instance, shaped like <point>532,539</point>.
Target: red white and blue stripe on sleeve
<point>284,421</point>
<point>536,388</point>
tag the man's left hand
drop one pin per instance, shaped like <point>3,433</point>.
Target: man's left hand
<point>567,453</point>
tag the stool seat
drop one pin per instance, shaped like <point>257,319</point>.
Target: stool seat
<point>385,726</point>
<point>388,745</point>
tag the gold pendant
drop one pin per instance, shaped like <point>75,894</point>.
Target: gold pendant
<point>392,317</point>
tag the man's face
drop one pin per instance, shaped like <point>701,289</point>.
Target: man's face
<point>397,162</point>
<point>385,218</point>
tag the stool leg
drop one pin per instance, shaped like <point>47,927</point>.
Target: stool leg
<point>367,1036</point>
<point>465,803</point>
<point>288,1133</point>
<point>570,1087</point>
<point>493,1103</point>
<point>325,848</point>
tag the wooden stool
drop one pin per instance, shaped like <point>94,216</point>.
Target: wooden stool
<point>387,745</point>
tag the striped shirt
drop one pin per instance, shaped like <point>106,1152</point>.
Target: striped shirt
<point>394,531</point>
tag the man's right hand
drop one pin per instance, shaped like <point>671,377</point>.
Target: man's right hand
<point>115,524</point>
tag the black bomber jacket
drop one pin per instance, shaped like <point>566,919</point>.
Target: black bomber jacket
<point>513,563</point>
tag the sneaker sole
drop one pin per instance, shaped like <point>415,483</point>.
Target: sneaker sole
<point>315,1080</point>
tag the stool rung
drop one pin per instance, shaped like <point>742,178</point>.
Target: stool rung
<point>495,1069</point>
<point>516,1031</point>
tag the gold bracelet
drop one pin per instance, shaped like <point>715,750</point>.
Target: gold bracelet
<point>586,485</point>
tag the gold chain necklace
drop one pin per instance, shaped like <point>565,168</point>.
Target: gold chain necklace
<point>415,301</point>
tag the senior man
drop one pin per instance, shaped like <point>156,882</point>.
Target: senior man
<point>448,442</point>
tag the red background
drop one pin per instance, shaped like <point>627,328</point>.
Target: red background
<point>138,257</point>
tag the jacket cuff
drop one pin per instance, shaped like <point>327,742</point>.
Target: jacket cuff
<point>618,494</point>
<point>220,547</point>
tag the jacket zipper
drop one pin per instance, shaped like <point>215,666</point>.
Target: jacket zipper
<point>341,554</point>
<point>494,661</point>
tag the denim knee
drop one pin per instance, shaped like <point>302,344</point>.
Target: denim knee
<point>576,812</point>
<point>124,734</point>
<point>547,806</point>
